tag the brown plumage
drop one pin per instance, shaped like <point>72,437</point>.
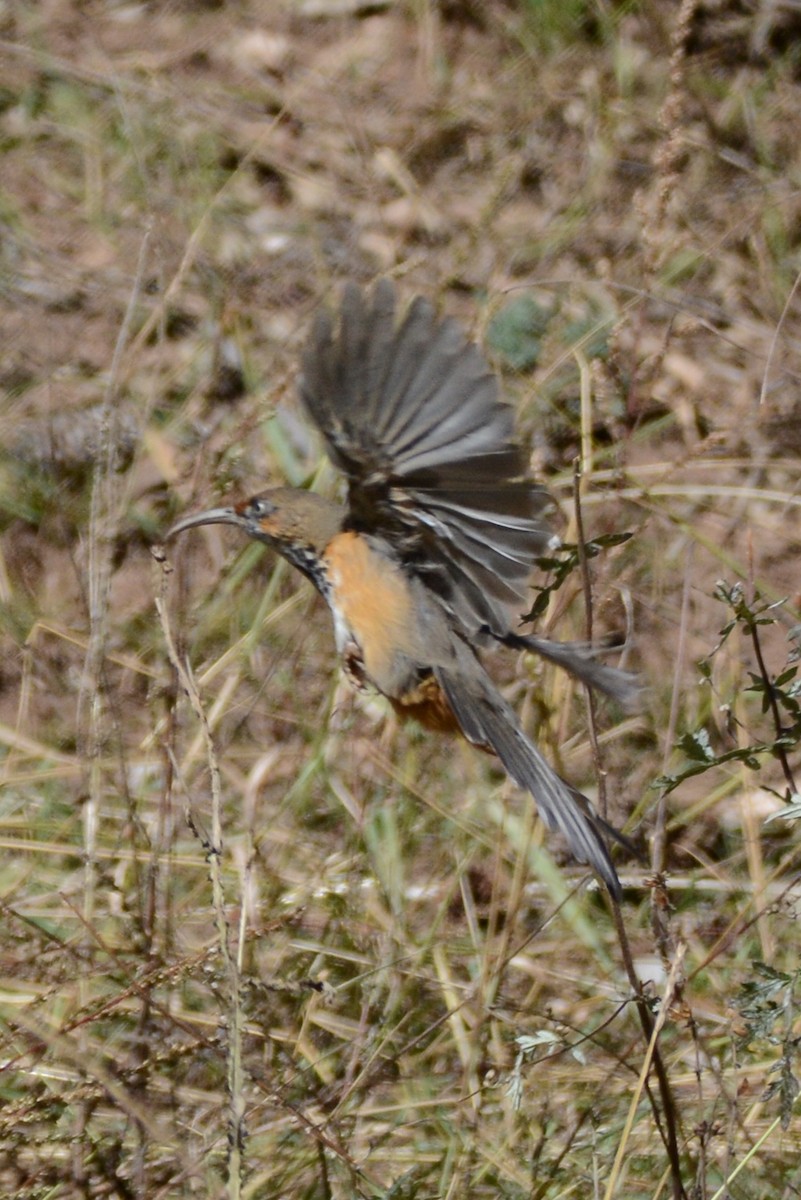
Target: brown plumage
<point>436,540</point>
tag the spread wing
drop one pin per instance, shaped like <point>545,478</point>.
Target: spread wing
<point>411,413</point>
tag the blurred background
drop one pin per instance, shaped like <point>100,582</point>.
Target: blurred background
<point>292,949</point>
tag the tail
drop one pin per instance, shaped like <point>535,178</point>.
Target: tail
<point>579,660</point>
<point>487,720</point>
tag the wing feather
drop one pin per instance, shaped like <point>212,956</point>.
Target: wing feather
<point>413,415</point>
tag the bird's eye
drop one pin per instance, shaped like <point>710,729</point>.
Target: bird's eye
<point>259,506</point>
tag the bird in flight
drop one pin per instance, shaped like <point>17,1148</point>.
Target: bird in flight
<point>435,542</point>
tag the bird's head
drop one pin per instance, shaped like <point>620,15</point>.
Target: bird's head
<point>289,519</point>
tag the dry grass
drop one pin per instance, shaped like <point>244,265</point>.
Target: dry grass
<point>258,940</point>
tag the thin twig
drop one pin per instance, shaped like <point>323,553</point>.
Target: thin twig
<point>669,1132</point>
<point>672,987</point>
<point>103,521</point>
<point>775,339</point>
<point>659,845</point>
<point>584,571</point>
<point>213,846</point>
<point>650,1030</point>
<point>770,691</point>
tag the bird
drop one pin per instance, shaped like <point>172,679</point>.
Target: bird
<point>424,561</point>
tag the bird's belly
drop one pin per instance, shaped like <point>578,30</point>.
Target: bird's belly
<point>426,704</point>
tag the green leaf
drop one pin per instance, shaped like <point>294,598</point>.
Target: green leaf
<point>696,746</point>
<point>790,812</point>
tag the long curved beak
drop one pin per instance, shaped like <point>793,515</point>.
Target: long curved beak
<point>212,516</point>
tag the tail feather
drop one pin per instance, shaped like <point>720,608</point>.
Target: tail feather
<point>580,661</point>
<point>487,720</point>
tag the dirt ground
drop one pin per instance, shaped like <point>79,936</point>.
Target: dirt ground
<point>608,196</point>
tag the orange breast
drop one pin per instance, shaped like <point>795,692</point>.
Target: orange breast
<point>373,606</point>
<point>371,603</point>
